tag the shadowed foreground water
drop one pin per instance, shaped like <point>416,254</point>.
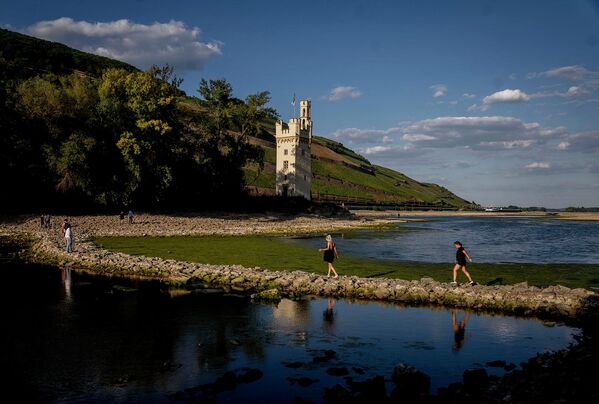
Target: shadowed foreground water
<point>73,337</point>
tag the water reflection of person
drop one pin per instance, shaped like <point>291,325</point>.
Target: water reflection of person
<point>329,316</point>
<point>65,277</point>
<point>459,330</point>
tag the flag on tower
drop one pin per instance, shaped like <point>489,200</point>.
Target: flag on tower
<point>293,100</point>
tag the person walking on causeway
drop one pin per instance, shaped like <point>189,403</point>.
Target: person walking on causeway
<point>330,253</point>
<point>461,256</point>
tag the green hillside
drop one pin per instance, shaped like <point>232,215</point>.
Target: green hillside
<point>25,56</point>
<point>338,172</point>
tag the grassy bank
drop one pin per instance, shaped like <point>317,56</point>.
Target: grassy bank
<point>277,254</point>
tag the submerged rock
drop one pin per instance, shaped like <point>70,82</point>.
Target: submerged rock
<point>337,394</point>
<point>370,390</point>
<point>337,371</point>
<point>302,381</point>
<point>475,378</point>
<point>410,381</point>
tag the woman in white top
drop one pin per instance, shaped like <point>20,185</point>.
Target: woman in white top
<point>68,235</point>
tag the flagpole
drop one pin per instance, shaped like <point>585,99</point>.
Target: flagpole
<point>293,103</point>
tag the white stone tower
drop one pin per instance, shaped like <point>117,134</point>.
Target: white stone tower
<point>294,161</point>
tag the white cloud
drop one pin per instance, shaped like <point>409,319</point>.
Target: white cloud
<point>586,142</point>
<point>468,95</point>
<point>517,95</point>
<point>391,152</point>
<point>483,132</point>
<point>574,72</point>
<point>538,165</point>
<point>417,138</point>
<point>139,44</point>
<point>579,73</point>
<point>507,95</point>
<point>563,145</point>
<point>576,91</point>
<point>510,144</point>
<point>341,93</point>
<point>365,135</point>
<point>439,90</point>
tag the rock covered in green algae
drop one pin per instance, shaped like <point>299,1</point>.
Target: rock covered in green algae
<point>268,296</point>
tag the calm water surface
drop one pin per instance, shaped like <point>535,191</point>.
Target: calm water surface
<point>76,338</point>
<point>488,239</point>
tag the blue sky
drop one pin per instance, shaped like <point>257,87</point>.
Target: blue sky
<point>496,100</point>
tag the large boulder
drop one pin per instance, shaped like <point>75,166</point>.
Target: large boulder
<point>475,378</point>
<point>410,382</point>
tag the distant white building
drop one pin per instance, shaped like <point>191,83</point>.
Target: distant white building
<point>294,161</point>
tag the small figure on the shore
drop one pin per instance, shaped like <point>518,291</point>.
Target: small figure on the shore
<point>121,216</point>
<point>461,256</point>
<point>47,221</point>
<point>42,220</point>
<point>330,253</point>
<point>64,225</point>
<point>130,216</point>
<point>459,330</point>
<point>68,235</point>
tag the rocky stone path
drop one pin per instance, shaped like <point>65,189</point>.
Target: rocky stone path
<point>555,302</point>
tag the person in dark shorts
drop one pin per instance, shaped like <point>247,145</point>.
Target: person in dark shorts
<point>461,256</point>
<point>330,253</point>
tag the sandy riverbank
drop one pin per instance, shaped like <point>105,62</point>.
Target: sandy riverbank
<point>205,224</point>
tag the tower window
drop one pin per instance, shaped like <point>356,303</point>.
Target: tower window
<point>305,178</point>
<point>303,152</point>
<point>285,165</point>
<point>286,152</point>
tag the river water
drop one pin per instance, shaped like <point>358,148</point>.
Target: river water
<point>73,337</point>
<point>488,239</point>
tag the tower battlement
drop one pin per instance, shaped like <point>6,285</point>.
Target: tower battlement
<point>294,159</point>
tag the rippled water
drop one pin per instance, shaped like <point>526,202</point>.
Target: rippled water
<point>488,239</point>
<point>73,337</point>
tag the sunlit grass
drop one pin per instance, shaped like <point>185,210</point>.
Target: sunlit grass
<point>278,254</point>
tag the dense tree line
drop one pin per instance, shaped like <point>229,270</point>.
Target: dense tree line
<point>79,142</point>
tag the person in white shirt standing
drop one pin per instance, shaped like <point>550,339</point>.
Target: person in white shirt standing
<point>68,235</point>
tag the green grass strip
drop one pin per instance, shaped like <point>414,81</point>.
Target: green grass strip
<point>279,254</point>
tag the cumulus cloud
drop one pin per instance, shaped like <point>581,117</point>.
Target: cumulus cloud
<point>468,95</point>
<point>139,44</point>
<point>365,135</point>
<point>507,95</point>
<point>341,93</point>
<point>484,132</point>
<point>439,90</point>
<point>538,165</point>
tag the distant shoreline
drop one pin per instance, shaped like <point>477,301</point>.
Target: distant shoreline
<point>581,216</point>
